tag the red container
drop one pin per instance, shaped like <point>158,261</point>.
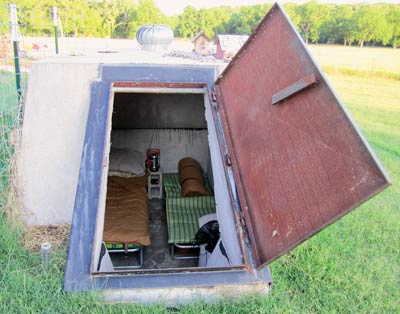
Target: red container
<point>153,159</point>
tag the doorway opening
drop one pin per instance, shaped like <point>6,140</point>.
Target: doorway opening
<point>163,181</point>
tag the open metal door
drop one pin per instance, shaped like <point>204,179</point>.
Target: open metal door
<point>299,160</point>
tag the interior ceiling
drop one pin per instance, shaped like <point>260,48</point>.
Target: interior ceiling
<point>158,111</point>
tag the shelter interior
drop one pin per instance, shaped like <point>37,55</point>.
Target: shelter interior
<point>162,187</point>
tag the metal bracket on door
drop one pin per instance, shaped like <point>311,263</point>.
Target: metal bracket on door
<point>303,83</point>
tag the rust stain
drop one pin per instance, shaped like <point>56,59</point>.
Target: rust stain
<point>159,85</point>
<point>297,167</point>
<point>296,87</point>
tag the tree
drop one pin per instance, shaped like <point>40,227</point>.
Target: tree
<point>5,17</point>
<point>292,11</point>
<point>222,16</point>
<point>311,17</point>
<point>188,24</point>
<point>210,19</point>
<point>371,25</point>
<point>124,9</point>
<point>338,27</point>
<point>93,23</point>
<point>247,19</point>
<point>206,22</point>
<point>328,24</point>
<point>393,18</point>
<point>145,13</point>
<point>377,24</point>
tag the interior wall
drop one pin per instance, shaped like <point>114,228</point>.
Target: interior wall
<point>158,111</point>
<point>174,144</point>
<point>201,145</point>
<point>225,213</point>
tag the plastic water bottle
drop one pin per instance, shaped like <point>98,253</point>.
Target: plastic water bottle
<point>46,248</point>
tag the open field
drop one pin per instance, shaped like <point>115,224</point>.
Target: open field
<point>353,266</point>
<point>355,58</point>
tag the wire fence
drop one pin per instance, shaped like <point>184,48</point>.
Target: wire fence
<point>26,35</point>
<point>12,91</point>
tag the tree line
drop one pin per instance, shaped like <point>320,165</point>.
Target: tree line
<point>358,24</point>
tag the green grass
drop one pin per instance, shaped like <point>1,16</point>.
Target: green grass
<point>353,266</point>
<point>334,71</point>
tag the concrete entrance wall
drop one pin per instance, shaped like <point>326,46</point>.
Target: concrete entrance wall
<point>54,125</point>
<point>55,117</point>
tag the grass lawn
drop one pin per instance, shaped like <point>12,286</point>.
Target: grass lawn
<point>353,266</point>
<point>355,58</point>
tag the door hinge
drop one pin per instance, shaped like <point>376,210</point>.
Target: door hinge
<point>228,160</point>
<point>245,229</point>
<point>214,101</point>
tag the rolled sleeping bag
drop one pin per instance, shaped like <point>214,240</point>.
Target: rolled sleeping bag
<point>188,168</point>
<point>191,178</point>
<point>190,172</point>
<point>188,161</point>
<point>192,187</point>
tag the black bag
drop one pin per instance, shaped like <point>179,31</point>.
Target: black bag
<point>208,234</point>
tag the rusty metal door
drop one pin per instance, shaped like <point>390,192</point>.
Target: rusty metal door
<point>299,160</point>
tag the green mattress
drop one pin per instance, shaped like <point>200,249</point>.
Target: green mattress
<point>183,213</point>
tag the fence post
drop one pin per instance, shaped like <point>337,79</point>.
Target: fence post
<point>55,22</point>
<point>14,34</point>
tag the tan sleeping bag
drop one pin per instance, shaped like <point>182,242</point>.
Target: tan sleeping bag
<point>190,172</point>
<point>188,161</point>
<point>191,178</point>
<point>127,216</point>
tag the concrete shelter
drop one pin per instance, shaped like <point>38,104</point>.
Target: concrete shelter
<point>281,153</point>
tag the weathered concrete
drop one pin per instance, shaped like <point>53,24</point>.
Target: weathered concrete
<point>178,296</point>
<point>55,117</point>
<point>54,125</point>
<point>174,144</point>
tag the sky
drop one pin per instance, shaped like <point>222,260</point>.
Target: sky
<point>172,7</point>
